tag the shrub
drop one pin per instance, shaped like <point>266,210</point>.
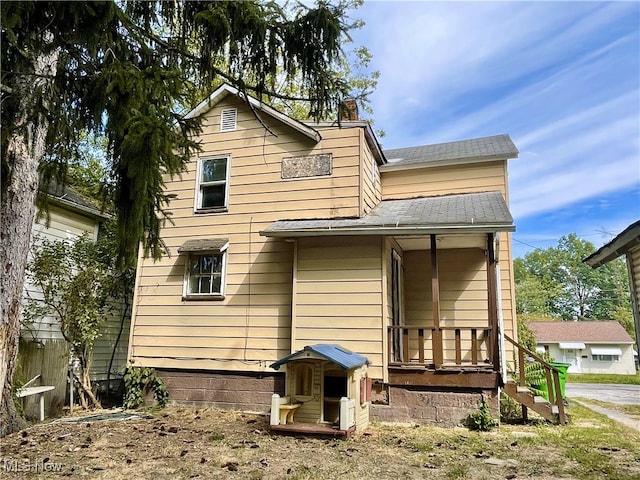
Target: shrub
<point>480,421</point>
<point>140,380</point>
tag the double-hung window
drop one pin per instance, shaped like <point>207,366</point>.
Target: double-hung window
<point>212,184</point>
<point>205,268</point>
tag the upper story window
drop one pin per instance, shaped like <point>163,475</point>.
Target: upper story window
<point>228,120</point>
<point>212,189</point>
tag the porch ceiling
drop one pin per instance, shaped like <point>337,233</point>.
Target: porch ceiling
<point>422,242</point>
<point>465,213</point>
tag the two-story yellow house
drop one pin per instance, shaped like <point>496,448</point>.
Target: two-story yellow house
<point>288,235</point>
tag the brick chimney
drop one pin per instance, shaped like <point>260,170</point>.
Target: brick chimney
<point>349,110</point>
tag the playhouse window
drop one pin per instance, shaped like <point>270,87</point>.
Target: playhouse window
<point>303,385</point>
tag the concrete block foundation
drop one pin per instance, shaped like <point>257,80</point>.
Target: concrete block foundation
<point>441,408</point>
<point>243,392</point>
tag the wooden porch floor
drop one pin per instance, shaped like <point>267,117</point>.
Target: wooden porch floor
<point>314,429</point>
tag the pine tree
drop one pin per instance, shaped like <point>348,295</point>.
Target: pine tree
<point>126,71</point>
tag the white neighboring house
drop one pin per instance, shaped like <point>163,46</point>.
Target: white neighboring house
<point>69,217</point>
<point>589,347</point>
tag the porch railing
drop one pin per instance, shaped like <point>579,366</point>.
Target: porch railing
<point>440,346</point>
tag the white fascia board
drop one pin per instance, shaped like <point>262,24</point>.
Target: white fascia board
<point>391,167</point>
<point>393,231</point>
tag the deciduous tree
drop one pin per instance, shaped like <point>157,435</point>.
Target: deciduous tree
<point>74,282</point>
<point>555,282</point>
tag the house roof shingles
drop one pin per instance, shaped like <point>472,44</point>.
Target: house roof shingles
<point>585,332</point>
<point>485,211</point>
<point>477,149</point>
<point>66,195</point>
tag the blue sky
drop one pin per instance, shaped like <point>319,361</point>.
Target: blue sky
<point>561,78</point>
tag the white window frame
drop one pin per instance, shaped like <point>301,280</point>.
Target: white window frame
<point>186,292</point>
<point>199,185</point>
<point>224,126</point>
<point>600,358</point>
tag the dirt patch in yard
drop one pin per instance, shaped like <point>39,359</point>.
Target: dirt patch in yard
<point>187,443</point>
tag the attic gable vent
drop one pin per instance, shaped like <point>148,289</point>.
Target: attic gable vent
<point>228,120</point>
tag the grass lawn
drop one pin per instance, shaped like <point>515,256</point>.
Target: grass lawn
<point>603,378</point>
<point>185,443</point>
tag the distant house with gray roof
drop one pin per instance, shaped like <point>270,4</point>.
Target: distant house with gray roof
<point>587,346</point>
<point>287,235</point>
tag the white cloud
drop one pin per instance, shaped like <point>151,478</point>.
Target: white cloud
<point>563,80</point>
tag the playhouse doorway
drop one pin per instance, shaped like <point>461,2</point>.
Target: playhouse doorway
<point>334,387</point>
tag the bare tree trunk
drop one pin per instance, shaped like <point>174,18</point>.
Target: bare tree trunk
<point>17,210</point>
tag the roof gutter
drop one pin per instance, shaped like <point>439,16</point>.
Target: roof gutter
<point>413,165</point>
<point>327,232</point>
<point>90,211</point>
<point>619,246</point>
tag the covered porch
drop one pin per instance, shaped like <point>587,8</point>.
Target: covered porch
<point>414,285</point>
<point>446,313</point>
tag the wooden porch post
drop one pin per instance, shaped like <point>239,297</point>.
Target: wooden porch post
<point>492,304</point>
<point>435,300</point>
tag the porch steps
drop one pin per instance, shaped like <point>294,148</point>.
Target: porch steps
<point>528,399</point>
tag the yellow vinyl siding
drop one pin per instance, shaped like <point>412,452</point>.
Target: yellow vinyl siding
<point>474,177</point>
<point>463,296</point>
<point>463,291</point>
<point>370,178</point>
<point>251,327</point>
<point>463,287</point>
<point>339,295</point>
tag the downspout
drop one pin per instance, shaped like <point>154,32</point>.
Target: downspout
<point>294,295</point>
<point>501,345</point>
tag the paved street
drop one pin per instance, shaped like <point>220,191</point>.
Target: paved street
<point>624,394</point>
